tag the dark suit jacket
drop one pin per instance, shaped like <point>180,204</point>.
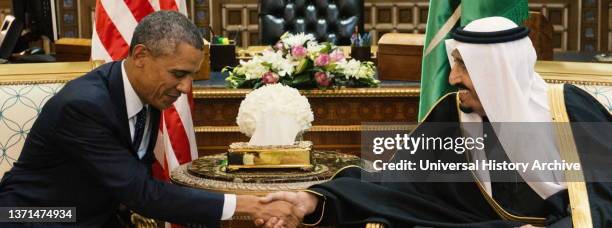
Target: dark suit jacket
<point>79,154</point>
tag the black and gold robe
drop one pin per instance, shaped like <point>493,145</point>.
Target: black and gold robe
<point>347,201</point>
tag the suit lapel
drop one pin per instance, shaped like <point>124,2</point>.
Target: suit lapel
<point>115,82</point>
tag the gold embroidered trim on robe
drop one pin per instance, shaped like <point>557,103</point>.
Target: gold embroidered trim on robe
<point>322,208</point>
<point>579,199</point>
<point>538,221</point>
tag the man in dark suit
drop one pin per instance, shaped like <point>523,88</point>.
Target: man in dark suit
<point>92,144</point>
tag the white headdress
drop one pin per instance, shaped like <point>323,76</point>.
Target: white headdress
<point>500,60</point>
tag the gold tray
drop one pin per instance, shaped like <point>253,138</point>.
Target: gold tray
<point>244,156</point>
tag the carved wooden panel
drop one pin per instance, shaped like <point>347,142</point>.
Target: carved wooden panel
<point>582,25</point>
<point>240,22</point>
<point>610,26</point>
<point>342,141</point>
<point>216,112</point>
<point>589,30</point>
<point>68,13</point>
<point>87,15</point>
<point>380,17</point>
<point>199,12</point>
<point>558,14</point>
<point>385,16</point>
<point>337,118</point>
<point>76,17</point>
<point>578,24</point>
<point>336,111</point>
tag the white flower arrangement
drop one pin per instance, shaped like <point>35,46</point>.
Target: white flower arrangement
<point>277,63</point>
<point>274,96</point>
<point>251,69</point>
<point>354,68</point>
<point>292,40</point>
<point>314,49</point>
<point>298,60</point>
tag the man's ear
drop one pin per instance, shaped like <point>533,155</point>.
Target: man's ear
<point>139,53</point>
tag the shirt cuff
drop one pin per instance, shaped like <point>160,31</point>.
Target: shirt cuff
<point>229,206</point>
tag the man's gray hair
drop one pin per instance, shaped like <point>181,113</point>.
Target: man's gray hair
<point>162,31</point>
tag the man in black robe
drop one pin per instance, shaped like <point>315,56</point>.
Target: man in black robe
<point>493,63</point>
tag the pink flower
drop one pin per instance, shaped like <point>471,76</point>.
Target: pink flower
<point>269,78</point>
<point>298,51</point>
<point>322,79</point>
<point>322,60</point>
<point>337,55</point>
<point>279,46</point>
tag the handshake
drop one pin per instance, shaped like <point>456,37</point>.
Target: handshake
<point>279,209</point>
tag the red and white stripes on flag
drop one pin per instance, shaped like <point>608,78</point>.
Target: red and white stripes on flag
<point>115,21</point>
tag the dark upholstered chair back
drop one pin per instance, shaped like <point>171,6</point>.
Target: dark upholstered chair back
<point>327,20</point>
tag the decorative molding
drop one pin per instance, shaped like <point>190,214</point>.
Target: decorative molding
<point>41,73</point>
<point>200,92</point>
<point>575,73</point>
<point>552,71</point>
<point>316,128</point>
<point>575,81</point>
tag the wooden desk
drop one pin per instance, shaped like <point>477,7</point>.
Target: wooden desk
<point>72,49</point>
<point>338,115</point>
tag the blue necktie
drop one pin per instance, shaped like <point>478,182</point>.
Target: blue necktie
<point>141,120</point>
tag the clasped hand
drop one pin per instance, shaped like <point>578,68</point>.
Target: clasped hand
<point>284,209</point>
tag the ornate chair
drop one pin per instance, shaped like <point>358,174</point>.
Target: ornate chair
<point>327,20</point>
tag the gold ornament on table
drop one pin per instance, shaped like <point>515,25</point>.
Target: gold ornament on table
<point>273,116</point>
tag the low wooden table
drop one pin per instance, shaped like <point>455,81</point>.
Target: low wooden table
<point>208,173</point>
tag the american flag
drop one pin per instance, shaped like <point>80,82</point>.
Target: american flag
<point>115,21</point>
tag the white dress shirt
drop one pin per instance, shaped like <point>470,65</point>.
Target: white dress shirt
<point>134,105</point>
